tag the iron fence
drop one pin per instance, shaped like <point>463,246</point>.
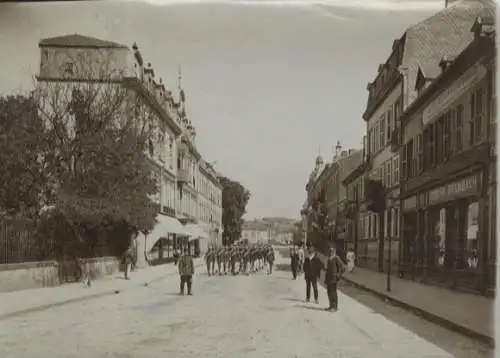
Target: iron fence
<point>19,242</point>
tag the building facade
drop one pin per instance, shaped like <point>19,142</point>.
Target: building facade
<point>448,187</point>
<point>210,203</point>
<point>391,93</point>
<point>70,61</point>
<point>255,232</point>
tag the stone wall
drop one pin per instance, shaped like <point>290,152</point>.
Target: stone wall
<point>48,273</point>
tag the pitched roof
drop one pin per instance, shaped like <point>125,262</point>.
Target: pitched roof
<point>446,33</point>
<point>77,40</point>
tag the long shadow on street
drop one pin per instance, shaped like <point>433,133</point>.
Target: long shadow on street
<point>457,344</point>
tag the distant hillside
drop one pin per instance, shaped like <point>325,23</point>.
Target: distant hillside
<point>275,224</point>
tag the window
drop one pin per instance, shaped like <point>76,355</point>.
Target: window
<point>68,68</point>
<point>388,173</point>
<point>395,170</point>
<point>431,158</point>
<point>459,128</point>
<point>447,135</point>
<point>383,139</point>
<point>46,55</point>
<point>371,142</point>
<point>409,159</point>
<point>397,109</point>
<point>404,161</point>
<point>476,116</point>
<point>420,154</point>
<point>438,128</point>
<point>389,125</point>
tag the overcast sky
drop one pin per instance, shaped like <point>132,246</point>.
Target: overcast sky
<point>268,82</point>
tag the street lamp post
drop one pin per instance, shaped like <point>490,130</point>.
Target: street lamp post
<point>338,148</point>
<point>389,248</point>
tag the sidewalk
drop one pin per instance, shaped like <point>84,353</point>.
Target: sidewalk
<point>32,300</point>
<point>469,314</point>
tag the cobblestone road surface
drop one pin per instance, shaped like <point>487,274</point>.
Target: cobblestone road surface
<point>243,316</point>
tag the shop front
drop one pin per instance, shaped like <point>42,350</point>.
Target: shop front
<point>444,241</point>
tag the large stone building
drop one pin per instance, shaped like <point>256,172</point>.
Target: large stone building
<point>72,61</point>
<point>448,166</point>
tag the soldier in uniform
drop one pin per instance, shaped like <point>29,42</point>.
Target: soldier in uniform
<point>208,260</point>
<point>218,257</point>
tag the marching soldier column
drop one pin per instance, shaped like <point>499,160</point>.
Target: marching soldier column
<point>239,259</point>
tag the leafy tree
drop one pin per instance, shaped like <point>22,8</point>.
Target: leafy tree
<point>101,175</point>
<point>235,198</point>
<point>22,142</point>
<point>79,148</point>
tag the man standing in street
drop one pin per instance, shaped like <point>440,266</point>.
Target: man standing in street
<point>312,271</point>
<point>186,271</point>
<point>334,270</point>
<point>128,259</point>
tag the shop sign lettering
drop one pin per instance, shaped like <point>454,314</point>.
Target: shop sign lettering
<point>466,186</point>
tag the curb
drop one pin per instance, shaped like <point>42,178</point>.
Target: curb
<point>84,298</point>
<point>452,326</point>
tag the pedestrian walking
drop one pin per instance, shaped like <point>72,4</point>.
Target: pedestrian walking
<point>208,261</point>
<point>334,270</point>
<point>312,271</point>
<point>351,260</point>
<point>294,261</point>
<point>186,271</point>
<point>128,259</point>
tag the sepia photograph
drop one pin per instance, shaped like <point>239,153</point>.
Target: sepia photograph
<point>248,178</point>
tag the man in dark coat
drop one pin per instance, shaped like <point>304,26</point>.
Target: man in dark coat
<point>186,271</point>
<point>294,261</point>
<point>334,270</point>
<point>312,271</point>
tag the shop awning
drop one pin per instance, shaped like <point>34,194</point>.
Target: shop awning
<point>196,232</point>
<point>165,225</point>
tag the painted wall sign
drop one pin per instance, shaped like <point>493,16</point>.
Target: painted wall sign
<point>455,190</point>
<point>442,103</point>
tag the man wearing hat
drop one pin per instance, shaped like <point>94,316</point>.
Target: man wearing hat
<point>312,270</point>
<point>334,270</point>
<point>186,271</point>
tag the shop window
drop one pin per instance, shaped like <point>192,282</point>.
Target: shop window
<point>472,246</point>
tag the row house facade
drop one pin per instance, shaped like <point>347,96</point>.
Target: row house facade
<point>210,202</point>
<point>390,94</point>
<point>324,212</point>
<point>77,60</point>
<point>448,191</point>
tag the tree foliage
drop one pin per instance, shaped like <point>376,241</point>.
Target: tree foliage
<point>21,142</point>
<point>80,149</point>
<point>235,198</point>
